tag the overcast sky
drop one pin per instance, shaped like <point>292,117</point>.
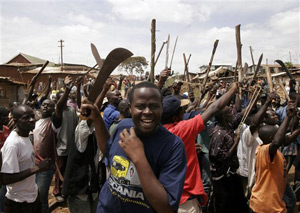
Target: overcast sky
<point>271,27</point>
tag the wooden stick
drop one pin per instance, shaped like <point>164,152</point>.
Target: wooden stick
<point>285,92</point>
<point>153,47</point>
<point>269,78</point>
<point>159,52</point>
<point>187,70</point>
<point>210,62</point>
<point>173,53</point>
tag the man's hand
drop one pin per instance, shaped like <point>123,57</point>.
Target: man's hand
<point>165,74</point>
<point>198,148</point>
<point>79,80</point>
<point>291,109</point>
<point>68,82</point>
<point>89,110</point>
<point>131,145</point>
<point>271,96</point>
<point>44,165</point>
<point>108,83</point>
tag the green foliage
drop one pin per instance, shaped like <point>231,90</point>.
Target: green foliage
<point>136,64</point>
<point>288,64</point>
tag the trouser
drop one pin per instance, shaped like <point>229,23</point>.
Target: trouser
<point>77,205</point>
<point>289,198</point>
<point>190,206</point>
<point>16,207</point>
<point>204,163</point>
<point>43,181</point>
<point>229,195</point>
<point>62,162</point>
<point>2,197</point>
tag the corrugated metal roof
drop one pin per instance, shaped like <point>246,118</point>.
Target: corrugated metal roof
<point>11,81</point>
<point>32,59</point>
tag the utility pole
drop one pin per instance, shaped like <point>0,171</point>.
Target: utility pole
<point>290,56</point>
<point>153,49</point>
<point>61,53</point>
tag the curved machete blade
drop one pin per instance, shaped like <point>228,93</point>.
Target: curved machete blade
<point>285,69</point>
<point>114,58</point>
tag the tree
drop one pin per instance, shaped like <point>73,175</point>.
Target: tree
<point>135,64</point>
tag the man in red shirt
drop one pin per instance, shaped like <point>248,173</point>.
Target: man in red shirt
<point>188,130</point>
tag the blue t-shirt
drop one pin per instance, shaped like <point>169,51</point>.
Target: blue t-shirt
<point>122,191</point>
<point>110,114</point>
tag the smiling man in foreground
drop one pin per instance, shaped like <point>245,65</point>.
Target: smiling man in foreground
<point>146,161</point>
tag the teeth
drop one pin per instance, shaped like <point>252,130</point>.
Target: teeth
<point>147,121</point>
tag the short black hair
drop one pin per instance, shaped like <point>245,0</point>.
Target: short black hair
<point>3,111</point>
<point>19,110</point>
<point>144,84</point>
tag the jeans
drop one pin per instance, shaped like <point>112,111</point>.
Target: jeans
<point>289,198</point>
<point>16,207</point>
<point>43,181</point>
<point>229,195</point>
<point>77,205</point>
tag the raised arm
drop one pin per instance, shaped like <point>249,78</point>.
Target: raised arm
<point>220,103</point>
<point>45,96</point>
<point>101,96</point>
<point>78,83</point>
<point>163,77</point>
<point>61,103</point>
<point>279,137</point>
<point>258,117</point>
<point>101,132</point>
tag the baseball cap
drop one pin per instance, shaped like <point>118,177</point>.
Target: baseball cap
<point>171,104</point>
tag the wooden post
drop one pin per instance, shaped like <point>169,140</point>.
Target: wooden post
<point>239,50</point>
<point>153,47</point>
<point>239,54</point>
<point>186,69</point>
<point>251,53</point>
<point>269,78</point>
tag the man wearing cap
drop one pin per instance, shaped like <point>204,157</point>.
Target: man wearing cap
<point>188,130</point>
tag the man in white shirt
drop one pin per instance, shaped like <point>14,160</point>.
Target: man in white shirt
<point>18,167</point>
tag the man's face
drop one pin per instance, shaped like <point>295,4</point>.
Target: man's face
<point>272,118</point>
<point>47,108</point>
<point>72,95</point>
<point>115,98</point>
<point>146,110</point>
<point>27,121</point>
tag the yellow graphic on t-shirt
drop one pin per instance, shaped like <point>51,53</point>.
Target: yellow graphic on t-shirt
<point>123,171</point>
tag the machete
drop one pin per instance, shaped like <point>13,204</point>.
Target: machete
<point>96,55</point>
<point>285,69</point>
<point>114,58</point>
<point>258,66</point>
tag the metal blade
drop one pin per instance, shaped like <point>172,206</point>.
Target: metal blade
<point>285,69</point>
<point>96,55</point>
<point>258,66</point>
<point>114,58</point>
<point>167,52</point>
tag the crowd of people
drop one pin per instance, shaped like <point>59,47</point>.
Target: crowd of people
<point>146,147</point>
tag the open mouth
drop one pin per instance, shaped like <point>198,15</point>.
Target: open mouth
<point>147,122</point>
